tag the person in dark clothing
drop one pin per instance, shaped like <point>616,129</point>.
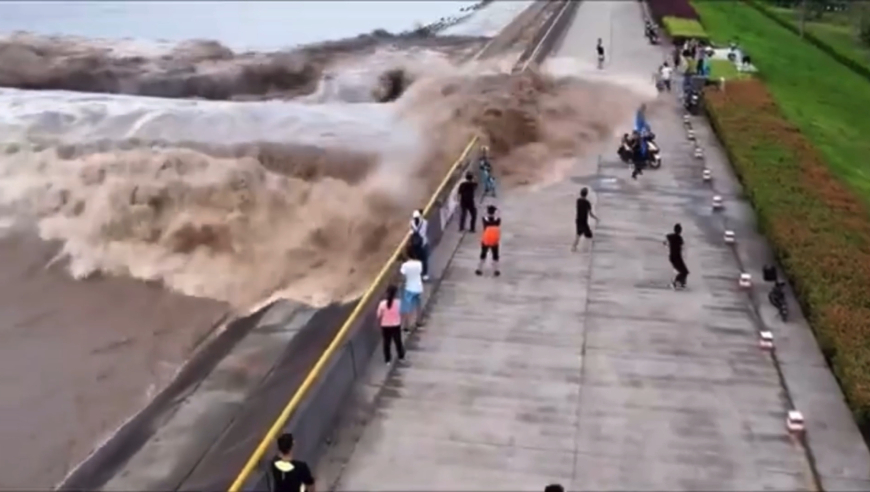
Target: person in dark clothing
<point>466,192</point>
<point>554,487</point>
<point>289,475</point>
<point>675,244</point>
<point>581,220</point>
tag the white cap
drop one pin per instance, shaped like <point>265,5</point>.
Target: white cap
<point>416,214</point>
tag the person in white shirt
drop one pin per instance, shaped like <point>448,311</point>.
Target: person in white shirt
<point>665,74</point>
<point>412,272</point>
<point>419,242</point>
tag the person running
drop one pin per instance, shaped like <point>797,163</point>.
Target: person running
<point>466,192</point>
<point>581,220</point>
<point>287,474</point>
<point>675,244</point>
<point>489,240</point>
<point>420,240</point>
<point>390,321</point>
<point>599,50</point>
<point>412,272</point>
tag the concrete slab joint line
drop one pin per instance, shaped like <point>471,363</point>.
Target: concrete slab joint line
<point>622,383</point>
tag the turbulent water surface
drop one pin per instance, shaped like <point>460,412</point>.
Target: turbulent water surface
<point>131,223</point>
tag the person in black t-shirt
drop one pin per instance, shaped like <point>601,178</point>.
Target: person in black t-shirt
<point>675,244</point>
<point>466,192</point>
<point>581,220</point>
<point>289,475</point>
<point>599,49</point>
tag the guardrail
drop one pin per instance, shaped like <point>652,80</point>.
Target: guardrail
<point>330,381</point>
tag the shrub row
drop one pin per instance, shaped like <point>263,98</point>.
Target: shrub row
<point>856,66</point>
<point>684,28</point>
<point>818,228</point>
<point>659,9</point>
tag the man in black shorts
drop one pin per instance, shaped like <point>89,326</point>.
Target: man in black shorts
<point>675,244</point>
<point>466,192</point>
<point>490,240</point>
<point>581,220</point>
<point>599,50</point>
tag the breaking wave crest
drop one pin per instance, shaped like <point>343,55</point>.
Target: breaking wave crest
<point>315,218</point>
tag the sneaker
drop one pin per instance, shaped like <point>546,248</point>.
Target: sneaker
<point>673,285</point>
<point>478,272</point>
<point>389,363</point>
<point>425,278</point>
<point>497,273</point>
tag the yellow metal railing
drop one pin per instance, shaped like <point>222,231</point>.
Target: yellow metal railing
<point>327,354</point>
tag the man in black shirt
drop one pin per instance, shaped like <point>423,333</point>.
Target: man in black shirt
<point>467,206</point>
<point>675,255</point>
<point>599,49</point>
<point>581,220</point>
<point>289,475</point>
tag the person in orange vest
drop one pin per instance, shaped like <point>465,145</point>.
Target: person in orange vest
<point>489,239</point>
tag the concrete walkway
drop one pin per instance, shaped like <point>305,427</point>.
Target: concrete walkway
<point>584,368</point>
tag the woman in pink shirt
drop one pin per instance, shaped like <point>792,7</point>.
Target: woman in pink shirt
<point>390,320</point>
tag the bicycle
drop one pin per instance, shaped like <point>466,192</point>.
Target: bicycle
<point>776,296</point>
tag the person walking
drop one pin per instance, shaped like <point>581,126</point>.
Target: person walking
<point>467,207</point>
<point>675,244</point>
<point>288,474</point>
<point>665,72</point>
<point>412,272</point>
<point>581,219</point>
<point>420,240</point>
<point>489,240</point>
<point>390,320</point>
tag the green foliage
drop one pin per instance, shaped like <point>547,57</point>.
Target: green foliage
<point>684,28</point>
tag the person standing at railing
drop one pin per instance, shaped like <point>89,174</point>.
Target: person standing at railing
<point>287,474</point>
<point>412,294</point>
<point>390,321</point>
<point>466,192</point>
<point>420,240</point>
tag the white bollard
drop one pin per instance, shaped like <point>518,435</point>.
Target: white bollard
<point>745,281</point>
<point>717,202</point>
<point>729,237</point>
<point>795,421</point>
<point>699,153</point>
<point>690,134</point>
<point>687,122</point>
<point>708,175</point>
<point>765,340</point>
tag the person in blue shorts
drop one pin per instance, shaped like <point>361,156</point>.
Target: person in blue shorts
<point>412,273</point>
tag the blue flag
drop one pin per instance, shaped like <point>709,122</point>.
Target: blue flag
<point>642,127</point>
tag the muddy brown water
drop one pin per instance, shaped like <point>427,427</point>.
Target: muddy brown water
<point>77,358</point>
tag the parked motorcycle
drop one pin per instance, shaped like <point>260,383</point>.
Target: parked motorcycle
<point>692,102</point>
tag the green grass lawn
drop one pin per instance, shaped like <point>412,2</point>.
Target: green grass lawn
<point>684,28</point>
<point>827,101</point>
<point>836,30</point>
<point>725,69</point>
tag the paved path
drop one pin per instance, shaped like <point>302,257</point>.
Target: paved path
<point>584,368</point>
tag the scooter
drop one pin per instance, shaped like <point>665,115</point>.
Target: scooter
<point>692,102</point>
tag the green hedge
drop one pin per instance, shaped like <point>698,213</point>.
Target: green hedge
<point>818,228</point>
<point>684,28</point>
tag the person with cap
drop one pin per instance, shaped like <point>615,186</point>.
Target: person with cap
<point>419,242</point>
<point>288,474</point>
<point>490,239</point>
<point>467,207</point>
